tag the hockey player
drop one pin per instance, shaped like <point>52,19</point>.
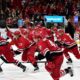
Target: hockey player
<point>8,54</point>
<point>21,37</point>
<point>57,40</point>
<point>69,44</point>
<point>27,47</point>
<point>54,57</point>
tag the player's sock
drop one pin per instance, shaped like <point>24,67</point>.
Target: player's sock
<point>22,66</point>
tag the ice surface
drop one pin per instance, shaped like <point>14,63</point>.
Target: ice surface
<point>11,72</point>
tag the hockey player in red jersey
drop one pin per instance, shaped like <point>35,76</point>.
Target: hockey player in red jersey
<point>57,40</point>
<point>33,48</point>
<point>47,34</point>
<point>54,57</point>
<point>27,47</point>
<point>69,44</point>
<point>8,54</point>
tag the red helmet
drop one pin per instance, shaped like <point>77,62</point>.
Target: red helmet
<point>37,35</point>
<point>16,33</point>
<point>61,31</point>
<point>55,29</point>
<point>24,32</point>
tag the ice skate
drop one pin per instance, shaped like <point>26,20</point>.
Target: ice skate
<point>70,71</point>
<point>36,69</point>
<point>22,66</point>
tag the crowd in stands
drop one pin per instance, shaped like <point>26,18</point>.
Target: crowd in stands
<point>34,10</point>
